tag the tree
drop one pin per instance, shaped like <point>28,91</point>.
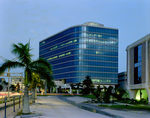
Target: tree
<point>40,66</point>
<point>120,92</point>
<point>87,85</point>
<point>1,87</point>
<point>107,94</point>
<point>78,86</point>
<point>4,83</point>
<point>72,86</point>
<point>97,93</point>
<point>12,87</point>
<point>36,81</point>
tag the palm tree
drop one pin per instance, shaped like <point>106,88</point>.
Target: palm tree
<point>36,81</point>
<point>87,85</point>
<point>12,87</point>
<point>39,66</point>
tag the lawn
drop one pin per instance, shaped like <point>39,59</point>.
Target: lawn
<point>136,107</point>
<point>86,96</point>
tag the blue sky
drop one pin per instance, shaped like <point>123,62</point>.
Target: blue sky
<point>21,20</point>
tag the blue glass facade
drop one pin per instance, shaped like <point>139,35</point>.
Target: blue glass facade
<point>83,50</point>
<point>137,64</point>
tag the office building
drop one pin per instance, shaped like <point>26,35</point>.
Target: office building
<point>18,81</point>
<point>87,49</point>
<point>122,80</point>
<point>138,68</point>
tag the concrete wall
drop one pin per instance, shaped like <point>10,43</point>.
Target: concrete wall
<point>143,62</point>
<point>133,88</point>
<point>149,58</point>
<point>132,66</point>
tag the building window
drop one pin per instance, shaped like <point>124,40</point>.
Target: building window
<point>137,64</point>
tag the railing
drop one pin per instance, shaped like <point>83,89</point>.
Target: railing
<point>13,100</point>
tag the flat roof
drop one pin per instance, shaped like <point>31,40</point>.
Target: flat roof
<point>85,24</point>
<point>138,42</point>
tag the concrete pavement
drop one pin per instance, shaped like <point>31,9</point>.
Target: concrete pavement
<point>54,107</point>
<point>117,113</point>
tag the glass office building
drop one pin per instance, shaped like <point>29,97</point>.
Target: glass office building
<point>87,49</point>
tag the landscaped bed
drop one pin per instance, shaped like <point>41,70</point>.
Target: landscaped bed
<point>136,107</point>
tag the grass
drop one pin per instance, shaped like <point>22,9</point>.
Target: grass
<point>88,96</point>
<point>11,99</point>
<point>136,107</point>
<point>1,102</point>
<point>43,95</point>
<point>19,113</point>
<point>135,102</point>
<point>68,95</point>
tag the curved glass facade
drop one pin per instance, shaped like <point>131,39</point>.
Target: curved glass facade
<point>83,50</point>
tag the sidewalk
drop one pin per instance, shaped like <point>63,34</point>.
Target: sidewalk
<point>53,107</point>
<point>10,108</point>
<point>114,112</point>
<point>60,107</point>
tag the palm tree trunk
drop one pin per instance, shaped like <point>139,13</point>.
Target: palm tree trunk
<point>26,109</point>
<point>36,92</point>
<point>33,96</point>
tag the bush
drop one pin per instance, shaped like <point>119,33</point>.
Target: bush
<point>87,85</point>
<point>133,101</point>
<point>97,92</point>
<point>107,94</point>
<point>120,93</point>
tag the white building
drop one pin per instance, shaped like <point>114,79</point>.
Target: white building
<point>16,80</point>
<point>138,68</point>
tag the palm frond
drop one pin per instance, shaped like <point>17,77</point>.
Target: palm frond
<point>36,81</point>
<point>44,74</point>
<point>10,64</point>
<point>43,63</point>
<point>23,52</point>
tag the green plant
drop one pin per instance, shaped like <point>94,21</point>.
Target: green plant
<point>13,87</point>
<point>120,93</point>
<point>133,107</point>
<point>39,66</point>
<point>97,93</point>
<point>87,85</point>
<point>1,87</point>
<point>19,113</point>
<point>107,94</point>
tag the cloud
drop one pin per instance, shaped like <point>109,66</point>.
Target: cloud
<point>48,32</point>
<point>33,31</point>
<point>16,38</point>
<point>11,41</point>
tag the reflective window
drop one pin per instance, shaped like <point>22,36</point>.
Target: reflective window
<point>137,64</point>
<point>83,50</point>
